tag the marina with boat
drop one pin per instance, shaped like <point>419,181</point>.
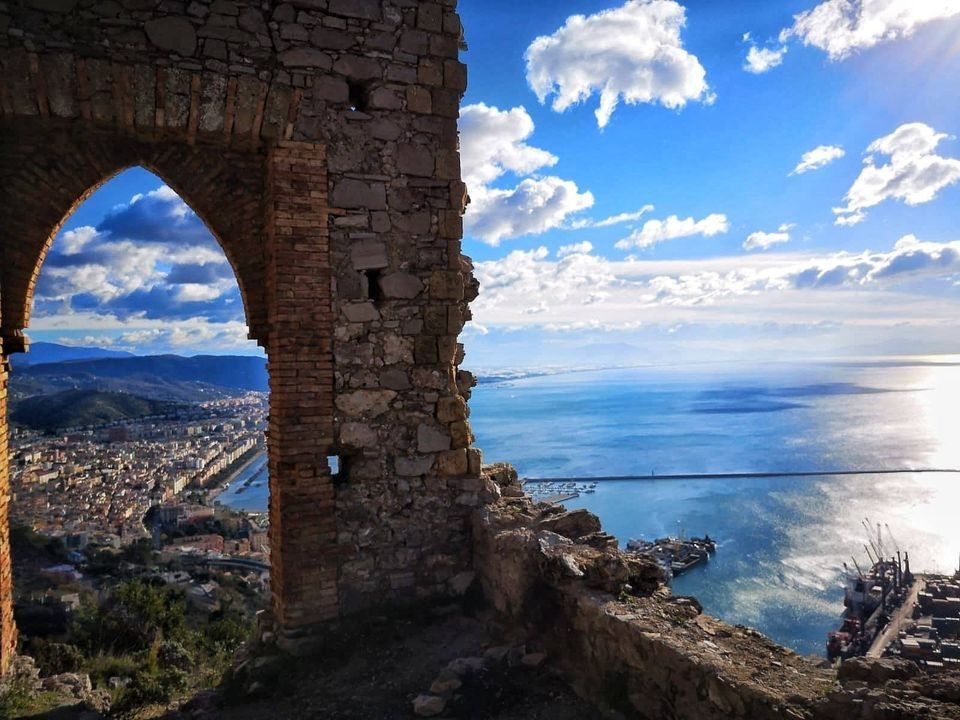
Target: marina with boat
<point>675,555</point>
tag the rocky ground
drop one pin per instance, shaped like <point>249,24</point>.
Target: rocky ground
<point>449,663</point>
<point>445,663</point>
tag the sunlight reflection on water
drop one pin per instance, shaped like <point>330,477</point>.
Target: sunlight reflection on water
<point>783,541</point>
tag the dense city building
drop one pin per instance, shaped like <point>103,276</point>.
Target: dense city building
<point>103,480</point>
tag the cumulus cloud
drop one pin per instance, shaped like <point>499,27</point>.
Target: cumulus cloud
<point>763,240</point>
<point>913,174</point>
<point>532,207</point>
<point>760,60</point>
<point>580,248</point>
<point>582,290</point>
<point>633,54</point>
<point>657,231</point>
<point>492,143</point>
<point>819,157</point>
<point>842,27</point>
<point>150,259</point>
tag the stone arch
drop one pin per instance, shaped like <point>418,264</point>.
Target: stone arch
<point>344,235</point>
<point>227,200</point>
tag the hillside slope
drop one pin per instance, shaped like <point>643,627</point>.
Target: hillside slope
<point>78,408</point>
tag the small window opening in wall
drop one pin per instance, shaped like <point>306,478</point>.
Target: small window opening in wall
<point>370,284</point>
<point>339,465</point>
<point>358,96</point>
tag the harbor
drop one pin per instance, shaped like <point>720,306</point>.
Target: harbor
<point>889,611</point>
<point>929,631</point>
<point>675,555</point>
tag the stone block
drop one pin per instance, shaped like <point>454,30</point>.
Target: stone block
<point>460,435</point>
<point>411,467</point>
<point>359,312</point>
<point>395,380</point>
<point>358,435</point>
<point>429,17</point>
<point>358,67</point>
<point>417,160</point>
<point>363,9</point>
<point>305,57</point>
<point>431,440</point>
<point>401,285</point>
<point>475,460</point>
<point>369,255</point>
<point>384,99</point>
<point>332,89</point>
<point>451,409</point>
<point>173,34</point>
<point>328,39</point>
<point>351,193</point>
<point>430,72</point>
<point>419,100</point>
<point>365,403</point>
<point>452,462</point>
<point>446,285</point>
<point>425,349</point>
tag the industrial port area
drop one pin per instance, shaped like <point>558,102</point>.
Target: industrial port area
<point>891,611</point>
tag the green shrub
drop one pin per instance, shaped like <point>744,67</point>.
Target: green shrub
<point>54,658</point>
<point>151,688</point>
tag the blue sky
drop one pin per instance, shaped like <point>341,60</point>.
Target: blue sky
<point>651,181</point>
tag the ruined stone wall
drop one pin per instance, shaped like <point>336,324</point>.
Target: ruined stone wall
<point>8,629</point>
<point>318,141</point>
<point>624,641</point>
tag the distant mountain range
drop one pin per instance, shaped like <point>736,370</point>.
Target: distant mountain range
<point>237,372</point>
<point>169,378</point>
<point>44,352</point>
<point>79,408</point>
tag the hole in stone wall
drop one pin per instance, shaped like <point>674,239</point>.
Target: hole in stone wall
<point>339,468</point>
<point>370,285</point>
<point>334,462</point>
<point>359,96</point>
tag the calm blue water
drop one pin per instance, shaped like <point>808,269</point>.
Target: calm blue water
<point>782,541</point>
<point>253,497</point>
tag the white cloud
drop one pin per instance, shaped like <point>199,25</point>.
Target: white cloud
<point>817,158</point>
<point>633,53</point>
<point>584,290</point>
<point>492,145</point>
<point>580,248</point>
<point>760,60</point>
<point>841,27</point>
<point>657,231</point>
<point>533,207</point>
<point>914,174</point>
<point>618,219</point>
<point>764,240</point>
<point>73,241</point>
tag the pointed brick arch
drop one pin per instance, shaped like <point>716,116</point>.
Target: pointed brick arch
<point>51,177</point>
<point>342,223</point>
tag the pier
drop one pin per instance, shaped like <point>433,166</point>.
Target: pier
<point>902,616</point>
<point>731,475</point>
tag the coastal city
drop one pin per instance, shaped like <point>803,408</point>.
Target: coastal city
<point>145,478</point>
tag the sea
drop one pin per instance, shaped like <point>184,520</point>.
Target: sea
<point>782,540</point>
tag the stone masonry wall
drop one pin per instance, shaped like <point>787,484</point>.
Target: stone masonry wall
<point>624,641</point>
<point>318,141</point>
<point>8,630</point>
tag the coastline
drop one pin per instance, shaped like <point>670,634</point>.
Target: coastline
<point>215,492</point>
